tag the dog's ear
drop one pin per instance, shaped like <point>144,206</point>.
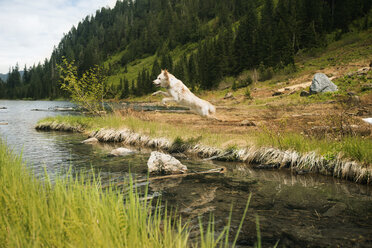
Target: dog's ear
<point>166,74</point>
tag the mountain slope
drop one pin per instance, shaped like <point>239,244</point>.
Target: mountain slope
<point>201,41</point>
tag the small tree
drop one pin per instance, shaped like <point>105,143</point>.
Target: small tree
<point>88,90</point>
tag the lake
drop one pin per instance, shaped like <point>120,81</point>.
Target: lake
<point>298,210</point>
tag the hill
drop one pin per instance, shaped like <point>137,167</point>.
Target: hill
<point>201,41</point>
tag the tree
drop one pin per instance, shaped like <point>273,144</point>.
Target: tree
<point>87,90</point>
<point>265,34</point>
<point>245,44</point>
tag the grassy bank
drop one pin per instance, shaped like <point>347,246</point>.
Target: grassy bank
<point>349,147</point>
<point>78,213</point>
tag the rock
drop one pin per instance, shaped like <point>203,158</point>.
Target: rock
<point>363,71</point>
<point>92,140</point>
<point>337,209</point>
<point>64,109</point>
<point>366,87</point>
<point>321,83</point>
<point>304,93</point>
<point>2,107</point>
<point>368,120</point>
<point>164,164</point>
<point>362,111</point>
<point>277,93</point>
<point>229,95</point>
<point>247,123</point>
<point>121,152</point>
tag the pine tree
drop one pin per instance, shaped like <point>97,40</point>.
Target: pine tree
<point>245,44</point>
<point>265,34</point>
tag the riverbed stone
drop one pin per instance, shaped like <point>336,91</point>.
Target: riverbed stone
<point>304,93</point>
<point>321,83</point>
<point>247,123</point>
<point>335,210</point>
<point>121,152</point>
<point>92,140</point>
<point>164,164</point>
<point>229,95</point>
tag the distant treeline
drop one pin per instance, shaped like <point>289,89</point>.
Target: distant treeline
<point>232,35</point>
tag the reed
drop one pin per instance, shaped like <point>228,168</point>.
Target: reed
<point>349,158</point>
<point>77,212</point>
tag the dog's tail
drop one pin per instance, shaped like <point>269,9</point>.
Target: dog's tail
<point>212,109</point>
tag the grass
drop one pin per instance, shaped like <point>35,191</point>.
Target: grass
<point>349,147</point>
<point>77,212</point>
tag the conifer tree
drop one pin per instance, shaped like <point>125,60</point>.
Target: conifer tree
<point>245,44</point>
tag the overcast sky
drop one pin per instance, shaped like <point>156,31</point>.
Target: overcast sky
<point>30,28</point>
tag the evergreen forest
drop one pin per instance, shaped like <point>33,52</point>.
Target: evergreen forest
<point>223,37</point>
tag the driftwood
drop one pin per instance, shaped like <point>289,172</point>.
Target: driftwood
<point>221,170</point>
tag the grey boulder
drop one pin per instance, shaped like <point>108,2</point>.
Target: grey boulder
<point>321,83</point>
<point>164,164</point>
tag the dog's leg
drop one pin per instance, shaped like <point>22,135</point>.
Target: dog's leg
<point>160,92</point>
<point>213,118</point>
<point>166,100</point>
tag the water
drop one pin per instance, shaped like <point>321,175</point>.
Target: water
<point>297,210</point>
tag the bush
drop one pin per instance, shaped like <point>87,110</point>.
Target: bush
<point>88,90</point>
<point>247,93</point>
<point>265,73</point>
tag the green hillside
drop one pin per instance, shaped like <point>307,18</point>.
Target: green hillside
<point>200,41</point>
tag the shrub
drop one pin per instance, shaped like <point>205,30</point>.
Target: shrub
<point>88,90</point>
<point>265,73</point>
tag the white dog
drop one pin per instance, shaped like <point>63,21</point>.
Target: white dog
<point>179,93</point>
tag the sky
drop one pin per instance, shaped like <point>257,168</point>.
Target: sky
<point>29,29</point>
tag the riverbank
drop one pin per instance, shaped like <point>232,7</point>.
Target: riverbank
<point>138,129</point>
<point>77,212</point>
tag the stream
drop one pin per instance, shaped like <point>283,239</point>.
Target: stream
<point>296,210</point>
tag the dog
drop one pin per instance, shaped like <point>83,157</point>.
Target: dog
<point>179,93</point>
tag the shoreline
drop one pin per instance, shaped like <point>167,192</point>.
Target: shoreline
<point>261,158</point>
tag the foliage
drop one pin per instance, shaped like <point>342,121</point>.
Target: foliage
<point>351,147</point>
<point>87,90</point>
<point>76,211</point>
<point>247,93</point>
<point>229,37</point>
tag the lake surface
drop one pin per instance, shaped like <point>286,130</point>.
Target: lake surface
<point>296,210</point>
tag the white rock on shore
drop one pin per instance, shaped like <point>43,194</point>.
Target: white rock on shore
<point>90,141</point>
<point>121,151</point>
<point>164,163</point>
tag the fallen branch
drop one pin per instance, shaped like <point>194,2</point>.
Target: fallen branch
<point>221,170</point>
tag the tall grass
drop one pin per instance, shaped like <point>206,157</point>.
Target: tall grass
<point>153,129</point>
<point>349,147</point>
<point>353,147</point>
<point>77,212</point>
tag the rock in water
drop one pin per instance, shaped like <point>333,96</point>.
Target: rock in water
<point>164,164</point>
<point>121,151</point>
<point>321,83</point>
<point>92,140</point>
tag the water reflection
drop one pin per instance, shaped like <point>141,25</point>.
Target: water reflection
<point>299,210</point>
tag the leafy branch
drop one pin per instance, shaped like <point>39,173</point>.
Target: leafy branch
<point>88,90</point>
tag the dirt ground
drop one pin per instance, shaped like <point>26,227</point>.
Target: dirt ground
<point>282,112</point>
